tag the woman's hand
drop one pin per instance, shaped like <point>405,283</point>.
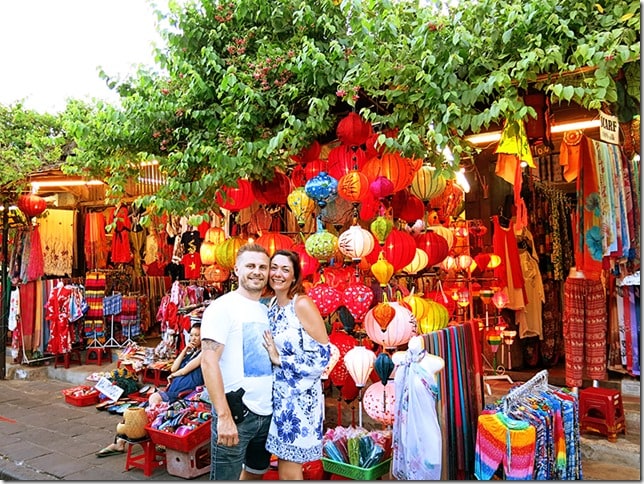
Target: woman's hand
<point>269,344</point>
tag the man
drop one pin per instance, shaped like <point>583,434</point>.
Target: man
<point>234,360</point>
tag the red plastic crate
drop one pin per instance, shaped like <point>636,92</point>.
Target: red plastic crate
<point>184,443</point>
<point>81,396</point>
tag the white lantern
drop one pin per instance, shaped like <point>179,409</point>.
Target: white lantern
<point>359,363</point>
<point>418,263</point>
<point>356,242</point>
<point>444,232</point>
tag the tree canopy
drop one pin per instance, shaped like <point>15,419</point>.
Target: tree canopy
<point>242,85</point>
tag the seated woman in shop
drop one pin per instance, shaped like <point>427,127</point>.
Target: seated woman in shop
<point>185,377</point>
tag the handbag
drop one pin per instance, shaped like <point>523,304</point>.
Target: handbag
<point>237,408</point>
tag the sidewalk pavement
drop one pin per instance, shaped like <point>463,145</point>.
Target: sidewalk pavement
<point>45,438</point>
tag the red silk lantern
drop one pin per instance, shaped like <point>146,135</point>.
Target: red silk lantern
<point>326,298</point>
<point>298,176</point>
<point>353,130</point>
<point>349,390</point>
<point>407,207</point>
<point>399,331</point>
<point>312,152</point>
<point>379,402</point>
<point>369,207</point>
<point>444,232</point>
<point>274,241</point>
<point>308,264</point>
<point>342,159</point>
<point>31,205</point>
<point>434,246</point>
<point>274,191</point>
<point>344,343</point>
<point>399,249</point>
<point>353,186</point>
<point>237,198</point>
<point>357,298</point>
<point>314,168</point>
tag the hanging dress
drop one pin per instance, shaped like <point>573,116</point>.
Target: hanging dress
<point>417,440</point>
<point>296,428</point>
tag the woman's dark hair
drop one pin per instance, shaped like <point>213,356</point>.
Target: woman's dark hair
<point>296,287</point>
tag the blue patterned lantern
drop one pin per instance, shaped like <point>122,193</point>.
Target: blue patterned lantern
<point>322,188</point>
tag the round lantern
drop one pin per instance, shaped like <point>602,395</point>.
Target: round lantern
<point>322,188</point>
<point>359,362</point>
<point>31,205</point>
<point>441,298</point>
<point>418,305</point>
<point>418,263</point>
<point>333,360</point>
<point>356,242</point>
<point>382,270</point>
<point>326,298</point>
<point>314,168</point>
<point>399,249</point>
<point>448,264</point>
<point>344,342</point>
<point>274,241</point>
<point>216,273</point>
<point>207,253</point>
<point>433,245</point>
<point>353,186</point>
<point>464,262</point>
<point>450,202</point>
<point>226,252</point>
<point>500,299</point>
<point>392,166</point>
<point>298,176</point>
<point>495,261</point>
<point>301,205</point>
<point>322,245</point>
<point>236,198</point>
<point>308,263</point>
<point>427,183</point>
<point>401,328</point>
<point>381,187</point>
<point>216,235</point>
<point>381,227</point>
<point>435,318</point>
<point>379,402</point>
<point>407,207</point>
<point>369,207</point>
<point>342,159</point>
<point>353,130</point>
<point>274,191</point>
<point>444,232</point>
<point>357,298</point>
<point>309,153</point>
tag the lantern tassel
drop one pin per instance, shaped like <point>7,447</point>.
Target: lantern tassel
<point>36,264</point>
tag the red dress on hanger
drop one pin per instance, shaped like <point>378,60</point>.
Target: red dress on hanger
<point>509,271</point>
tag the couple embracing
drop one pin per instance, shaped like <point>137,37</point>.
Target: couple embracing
<point>262,366</point>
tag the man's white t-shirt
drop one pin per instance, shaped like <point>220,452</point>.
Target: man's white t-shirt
<point>239,324</point>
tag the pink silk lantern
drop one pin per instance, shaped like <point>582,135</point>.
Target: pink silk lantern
<point>357,298</point>
<point>326,298</point>
<point>399,331</point>
<point>381,187</point>
<point>379,402</point>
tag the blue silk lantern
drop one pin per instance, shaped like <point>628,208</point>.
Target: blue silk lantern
<point>322,188</point>
<point>384,365</point>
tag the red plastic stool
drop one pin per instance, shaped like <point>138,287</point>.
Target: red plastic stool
<point>69,358</point>
<point>155,376</point>
<point>147,460</point>
<point>601,410</point>
<point>96,355</point>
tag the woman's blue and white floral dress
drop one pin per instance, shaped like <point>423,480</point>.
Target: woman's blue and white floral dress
<point>296,428</point>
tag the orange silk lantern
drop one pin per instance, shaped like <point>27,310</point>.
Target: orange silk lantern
<point>216,235</point>
<point>207,253</point>
<point>216,273</point>
<point>353,186</point>
<point>274,241</point>
<point>392,166</point>
<point>383,314</point>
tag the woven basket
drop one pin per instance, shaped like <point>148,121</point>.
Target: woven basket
<point>135,420</point>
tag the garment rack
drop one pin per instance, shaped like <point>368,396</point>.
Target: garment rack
<point>538,381</point>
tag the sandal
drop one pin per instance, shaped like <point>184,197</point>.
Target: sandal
<point>109,450</point>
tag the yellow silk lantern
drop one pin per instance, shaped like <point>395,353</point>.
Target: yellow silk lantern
<point>207,253</point>
<point>382,270</point>
<point>301,205</point>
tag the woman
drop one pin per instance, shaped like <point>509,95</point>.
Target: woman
<point>185,376</point>
<point>299,348</point>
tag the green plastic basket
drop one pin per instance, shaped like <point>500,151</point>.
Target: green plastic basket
<point>354,472</point>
